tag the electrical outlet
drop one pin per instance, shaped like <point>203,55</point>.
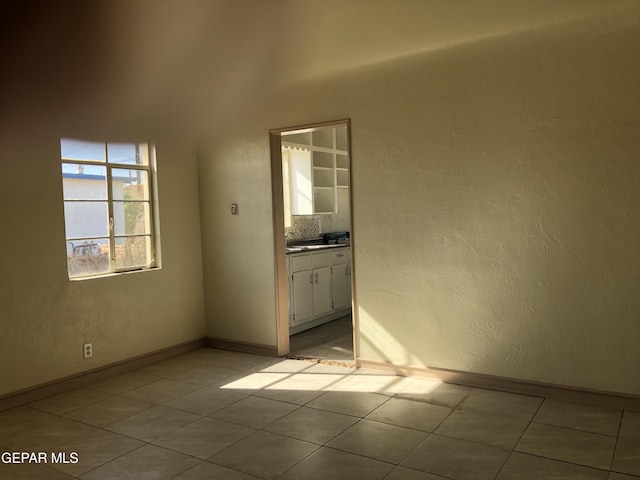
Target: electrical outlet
<point>88,350</point>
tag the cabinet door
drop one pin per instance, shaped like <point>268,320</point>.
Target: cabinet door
<point>341,286</point>
<point>302,294</point>
<point>322,290</point>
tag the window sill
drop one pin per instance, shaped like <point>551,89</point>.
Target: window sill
<point>113,274</point>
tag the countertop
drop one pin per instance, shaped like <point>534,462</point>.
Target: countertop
<point>314,248</point>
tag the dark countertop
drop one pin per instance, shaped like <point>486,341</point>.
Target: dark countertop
<point>314,248</point>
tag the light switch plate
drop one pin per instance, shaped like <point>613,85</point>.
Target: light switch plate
<point>234,209</point>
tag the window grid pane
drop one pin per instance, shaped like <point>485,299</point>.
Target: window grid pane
<point>81,150</point>
<point>84,182</point>
<point>108,209</point>
<point>87,257</point>
<point>86,219</point>
<point>130,184</point>
<point>131,218</point>
<point>133,251</point>
<point>127,154</point>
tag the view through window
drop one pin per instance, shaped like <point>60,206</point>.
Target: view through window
<point>108,206</point>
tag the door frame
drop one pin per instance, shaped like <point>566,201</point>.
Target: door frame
<point>279,243</point>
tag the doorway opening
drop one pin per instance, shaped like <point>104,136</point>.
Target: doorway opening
<point>311,191</point>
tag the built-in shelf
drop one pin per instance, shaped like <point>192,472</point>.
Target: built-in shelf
<point>318,160</point>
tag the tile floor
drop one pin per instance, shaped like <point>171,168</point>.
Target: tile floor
<point>331,341</point>
<point>214,414</point>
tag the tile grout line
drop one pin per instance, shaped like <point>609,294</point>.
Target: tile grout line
<point>615,447</point>
<point>513,449</point>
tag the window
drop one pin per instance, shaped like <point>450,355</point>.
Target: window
<point>109,207</point>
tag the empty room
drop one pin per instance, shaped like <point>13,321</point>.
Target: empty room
<point>296,239</point>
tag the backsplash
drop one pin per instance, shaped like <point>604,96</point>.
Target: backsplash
<point>304,227</point>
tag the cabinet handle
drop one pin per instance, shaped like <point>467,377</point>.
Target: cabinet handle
<point>316,278</point>
<point>311,278</point>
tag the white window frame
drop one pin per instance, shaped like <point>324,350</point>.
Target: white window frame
<point>154,232</point>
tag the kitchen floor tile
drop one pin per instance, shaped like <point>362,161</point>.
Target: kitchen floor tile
<point>26,471</point>
<point>124,382</point>
<point>457,459</point>
<point>630,424</point>
<point>307,381</point>
<point>326,463</point>
<point>152,423</point>
<point>204,437</point>
<point>311,425</point>
<point>204,355</point>
<point>357,404</point>
<point>161,391</point>
<point>404,473</point>
<point>264,454</point>
<point>168,367</point>
<point>331,369</point>
<point>579,416</point>
<point>410,414</point>
<point>26,428</point>
<point>109,411</point>
<point>528,467</point>
<point>202,374</point>
<point>298,397</point>
<point>94,449</point>
<point>211,471</point>
<point>254,412</point>
<point>287,366</point>
<point>381,441</point>
<point>622,476</point>
<point>227,415</point>
<point>249,383</point>
<point>30,430</point>
<point>146,463</point>
<point>70,400</point>
<point>502,403</point>
<point>627,455</point>
<point>481,427</point>
<point>245,361</point>
<point>582,448</point>
<point>205,401</point>
<point>445,394</point>
<point>385,384</point>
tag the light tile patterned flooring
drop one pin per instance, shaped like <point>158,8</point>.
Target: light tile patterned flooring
<point>214,414</point>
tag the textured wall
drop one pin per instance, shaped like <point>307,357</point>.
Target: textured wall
<point>496,220</point>
<point>494,176</point>
<point>44,317</point>
<point>496,208</point>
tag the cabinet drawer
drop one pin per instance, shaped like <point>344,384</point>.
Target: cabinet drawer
<point>321,259</point>
<point>340,256</point>
<point>300,262</point>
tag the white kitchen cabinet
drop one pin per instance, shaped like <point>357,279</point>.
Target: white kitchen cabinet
<point>322,291</point>
<point>319,287</point>
<point>303,296</point>
<point>341,279</point>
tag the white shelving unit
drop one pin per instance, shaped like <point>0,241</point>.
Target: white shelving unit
<point>318,162</point>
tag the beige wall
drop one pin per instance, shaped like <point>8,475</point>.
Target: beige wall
<point>45,318</point>
<point>494,162</point>
<point>496,220</point>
